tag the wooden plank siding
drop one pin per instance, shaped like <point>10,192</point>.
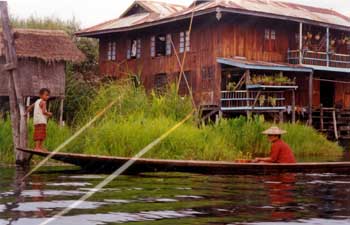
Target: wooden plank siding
<point>232,36</point>
<point>35,74</point>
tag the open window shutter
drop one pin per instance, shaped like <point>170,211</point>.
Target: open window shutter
<point>153,46</point>
<point>109,51</point>
<point>188,41</point>
<point>138,52</point>
<point>182,42</point>
<point>114,51</point>
<point>128,52</point>
<point>168,44</point>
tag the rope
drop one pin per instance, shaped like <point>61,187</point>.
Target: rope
<point>69,140</point>
<point>185,51</point>
<point>184,75</point>
<point>118,172</point>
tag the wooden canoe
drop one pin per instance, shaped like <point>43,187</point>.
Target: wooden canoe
<point>108,164</point>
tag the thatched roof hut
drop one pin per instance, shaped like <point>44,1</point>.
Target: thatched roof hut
<point>47,45</point>
<point>42,55</point>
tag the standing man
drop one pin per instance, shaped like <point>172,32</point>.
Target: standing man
<point>280,151</point>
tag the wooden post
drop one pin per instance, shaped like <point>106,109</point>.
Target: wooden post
<point>335,125</point>
<point>17,106</point>
<point>300,43</point>
<point>321,118</point>
<point>311,89</point>
<point>327,45</point>
<point>293,106</point>
<point>247,80</point>
<point>61,111</point>
<point>27,105</point>
<point>281,117</point>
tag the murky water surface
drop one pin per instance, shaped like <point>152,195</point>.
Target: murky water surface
<point>173,198</point>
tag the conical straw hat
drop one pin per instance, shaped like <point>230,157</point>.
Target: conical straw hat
<point>274,131</point>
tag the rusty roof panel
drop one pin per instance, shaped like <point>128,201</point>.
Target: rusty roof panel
<point>160,11</point>
<point>161,8</point>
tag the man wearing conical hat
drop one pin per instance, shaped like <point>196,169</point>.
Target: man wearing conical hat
<point>280,151</point>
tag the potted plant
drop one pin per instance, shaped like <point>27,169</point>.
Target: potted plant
<point>318,36</point>
<point>309,35</point>
<point>333,41</point>
<point>272,101</point>
<point>262,99</point>
<point>231,86</point>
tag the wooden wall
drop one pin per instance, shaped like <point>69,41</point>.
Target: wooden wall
<point>36,74</point>
<point>231,36</point>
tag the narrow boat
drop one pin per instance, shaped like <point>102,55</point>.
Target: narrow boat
<point>108,164</point>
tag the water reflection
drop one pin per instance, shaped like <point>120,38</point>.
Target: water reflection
<point>281,192</point>
<point>163,198</point>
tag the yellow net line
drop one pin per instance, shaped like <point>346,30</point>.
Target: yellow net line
<point>118,172</point>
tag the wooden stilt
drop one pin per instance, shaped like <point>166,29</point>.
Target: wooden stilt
<point>27,105</point>
<point>335,126</point>
<point>321,118</point>
<point>311,89</point>
<point>17,106</point>
<point>281,115</point>
<point>61,111</point>
<point>293,106</point>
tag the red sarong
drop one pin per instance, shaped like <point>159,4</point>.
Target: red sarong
<point>39,132</point>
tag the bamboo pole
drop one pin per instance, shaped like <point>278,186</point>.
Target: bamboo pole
<point>17,106</point>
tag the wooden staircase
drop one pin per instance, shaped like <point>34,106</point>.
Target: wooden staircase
<point>325,121</point>
<point>334,123</point>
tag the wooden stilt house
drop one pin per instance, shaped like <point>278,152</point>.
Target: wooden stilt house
<point>42,57</point>
<point>242,56</point>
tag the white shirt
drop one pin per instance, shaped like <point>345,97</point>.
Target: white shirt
<point>39,117</point>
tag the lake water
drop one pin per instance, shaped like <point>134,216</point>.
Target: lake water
<point>175,198</point>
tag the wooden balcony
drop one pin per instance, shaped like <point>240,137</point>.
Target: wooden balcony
<point>258,101</point>
<point>319,59</point>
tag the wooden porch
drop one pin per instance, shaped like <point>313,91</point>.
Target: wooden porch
<point>314,58</point>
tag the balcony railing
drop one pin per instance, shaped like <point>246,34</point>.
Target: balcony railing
<point>252,101</point>
<point>319,58</point>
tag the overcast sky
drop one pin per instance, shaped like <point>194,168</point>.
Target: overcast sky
<point>91,12</point>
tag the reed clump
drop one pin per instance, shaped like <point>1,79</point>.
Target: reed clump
<point>139,117</point>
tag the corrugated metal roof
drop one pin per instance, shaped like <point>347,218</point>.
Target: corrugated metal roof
<point>161,12</point>
<point>155,11</point>
<point>260,65</point>
<point>161,8</point>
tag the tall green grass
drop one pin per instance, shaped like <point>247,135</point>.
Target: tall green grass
<point>138,118</point>
<point>56,136</point>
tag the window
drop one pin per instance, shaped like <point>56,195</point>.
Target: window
<point>134,49</point>
<point>112,51</point>
<point>273,35</point>
<point>185,42</point>
<point>267,34</point>
<point>160,82</point>
<point>161,45</point>
<point>208,74</point>
<point>270,40</point>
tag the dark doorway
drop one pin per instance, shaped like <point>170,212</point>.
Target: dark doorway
<point>327,92</point>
